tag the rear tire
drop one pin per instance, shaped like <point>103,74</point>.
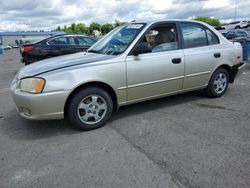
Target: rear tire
<point>218,83</point>
<point>90,108</point>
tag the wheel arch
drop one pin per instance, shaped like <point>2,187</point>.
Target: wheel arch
<point>229,70</point>
<point>102,85</point>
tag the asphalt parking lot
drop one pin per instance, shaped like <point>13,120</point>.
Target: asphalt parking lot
<point>181,141</point>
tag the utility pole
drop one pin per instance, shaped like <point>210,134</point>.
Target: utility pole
<point>235,10</point>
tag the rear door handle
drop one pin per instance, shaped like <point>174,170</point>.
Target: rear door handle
<point>217,55</point>
<point>176,60</point>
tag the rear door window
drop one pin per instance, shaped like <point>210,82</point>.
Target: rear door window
<point>63,41</point>
<point>196,35</point>
<point>85,41</point>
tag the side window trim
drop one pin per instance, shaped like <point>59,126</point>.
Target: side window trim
<point>206,36</point>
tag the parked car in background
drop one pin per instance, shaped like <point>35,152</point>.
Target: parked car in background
<point>55,46</point>
<point>133,63</point>
<point>8,47</point>
<point>235,25</point>
<point>236,33</point>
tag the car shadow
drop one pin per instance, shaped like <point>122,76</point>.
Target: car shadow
<point>16,127</point>
<point>157,104</point>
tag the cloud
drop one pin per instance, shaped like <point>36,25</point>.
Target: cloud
<point>47,15</point>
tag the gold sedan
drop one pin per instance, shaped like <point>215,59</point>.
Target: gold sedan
<point>134,62</point>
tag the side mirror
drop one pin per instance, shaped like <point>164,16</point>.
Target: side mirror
<point>142,48</point>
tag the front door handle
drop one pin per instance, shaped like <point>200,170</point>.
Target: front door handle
<point>176,60</point>
<point>217,55</point>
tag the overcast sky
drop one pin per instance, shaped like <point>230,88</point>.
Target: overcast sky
<point>48,14</point>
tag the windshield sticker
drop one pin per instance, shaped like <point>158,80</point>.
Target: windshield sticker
<point>134,26</point>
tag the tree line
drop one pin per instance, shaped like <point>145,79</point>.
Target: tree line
<point>211,21</point>
<point>81,28</point>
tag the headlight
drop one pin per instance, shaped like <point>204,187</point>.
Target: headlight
<point>32,85</point>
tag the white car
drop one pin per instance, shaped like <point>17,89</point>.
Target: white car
<point>235,25</point>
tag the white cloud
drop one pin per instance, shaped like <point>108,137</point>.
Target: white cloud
<point>44,14</point>
<point>8,26</point>
<point>216,4</point>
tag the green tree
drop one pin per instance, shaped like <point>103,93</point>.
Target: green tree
<point>67,29</point>
<point>58,28</point>
<point>73,28</point>
<point>106,28</point>
<point>211,21</point>
<point>94,26</point>
<point>80,28</point>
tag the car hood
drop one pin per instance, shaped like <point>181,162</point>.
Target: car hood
<point>61,62</point>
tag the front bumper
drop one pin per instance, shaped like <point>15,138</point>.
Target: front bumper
<point>40,106</point>
<point>26,60</point>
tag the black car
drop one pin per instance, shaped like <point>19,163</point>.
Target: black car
<point>55,46</point>
<point>237,33</point>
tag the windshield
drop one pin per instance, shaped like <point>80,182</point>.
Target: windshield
<point>118,40</point>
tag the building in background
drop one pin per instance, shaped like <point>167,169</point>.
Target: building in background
<point>15,39</point>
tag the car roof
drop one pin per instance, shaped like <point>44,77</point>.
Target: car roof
<point>70,35</point>
<point>237,31</point>
<point>165,20</point>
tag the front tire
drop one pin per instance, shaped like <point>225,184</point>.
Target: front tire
<point>218,83</point>
<point>90,108</point>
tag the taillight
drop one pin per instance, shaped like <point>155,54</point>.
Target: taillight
<point>26,48</point>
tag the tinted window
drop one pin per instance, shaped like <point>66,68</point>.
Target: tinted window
<point>212,38</point>
<point>63,41</point>
<point>231,35</point>
<point>234,22</point>
<point>241,33</point>
<point>194,35</point>
<point>85,41</point>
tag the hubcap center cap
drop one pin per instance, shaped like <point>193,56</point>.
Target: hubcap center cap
<point>92,109</point>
